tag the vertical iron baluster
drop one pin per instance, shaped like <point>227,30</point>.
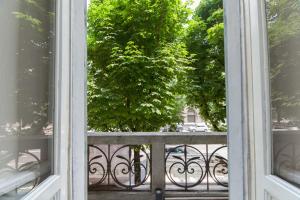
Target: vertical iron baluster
<point>207,168</point>
<point>108,165</point>
<point>88,168</point>
<point>185,167</point>
<point>129,148</point>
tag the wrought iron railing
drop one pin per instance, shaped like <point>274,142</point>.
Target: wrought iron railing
<point>194,163</point>
<point>23,169</point>
<point>193,167</point>
<point>113,167</point>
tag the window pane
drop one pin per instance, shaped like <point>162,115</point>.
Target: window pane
<point>191,118</point>
<point>27,94</point>
<point>283,17</point>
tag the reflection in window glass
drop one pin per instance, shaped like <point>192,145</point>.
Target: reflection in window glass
<point>27,94</point>
<point>283,17</point>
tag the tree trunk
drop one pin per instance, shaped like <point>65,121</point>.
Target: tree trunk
<point>137,164</point>
<point>278,112</point>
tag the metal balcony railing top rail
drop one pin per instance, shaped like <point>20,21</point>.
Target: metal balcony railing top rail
<point>169,161</point>
<point>157,137</point>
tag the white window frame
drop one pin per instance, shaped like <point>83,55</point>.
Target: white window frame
<point>70,170</point>
<point>70,177</point>
<point>57,185</point>
<point>237,101</point>
<point>78,100</point>
<point>264,184</point>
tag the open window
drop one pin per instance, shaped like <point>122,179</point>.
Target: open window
<point>34,118</point>
<point>275,83</point>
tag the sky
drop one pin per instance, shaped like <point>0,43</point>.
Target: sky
<point>193,7</point>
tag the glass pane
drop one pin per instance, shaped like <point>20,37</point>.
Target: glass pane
<point>283,18</point>
<point>27,54</point>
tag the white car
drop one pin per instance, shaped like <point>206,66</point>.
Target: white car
<point>199,127</point>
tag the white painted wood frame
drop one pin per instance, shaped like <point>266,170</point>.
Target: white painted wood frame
<point>265,186</point>
<point>78,99</point>
<point>237,102</point>
<point>57,185</point>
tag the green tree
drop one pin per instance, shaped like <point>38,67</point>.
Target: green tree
<point>137,64</point>
<point>205,39</point>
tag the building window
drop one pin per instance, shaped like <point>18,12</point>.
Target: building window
<point>191,116</point>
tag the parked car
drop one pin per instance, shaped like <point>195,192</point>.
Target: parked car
<point>199,127</point>
<point>179,128</point>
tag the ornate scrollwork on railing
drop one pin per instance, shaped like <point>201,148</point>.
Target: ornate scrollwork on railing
<point>135,166</point>
<point>188,167</point>
<point>127,168</point>
<point>98,165</point>
<point>33,164</point>
<point>218,167</point>
<point>286,158</point>
<point>24,161</point>
<point>185,165</point>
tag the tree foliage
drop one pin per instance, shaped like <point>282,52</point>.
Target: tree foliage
<point>205,39</point>
<point>138,64</point>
